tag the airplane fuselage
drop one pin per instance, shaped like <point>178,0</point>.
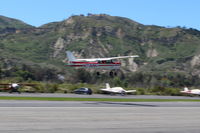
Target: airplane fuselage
<point>114,89</point>
<point>95,64</point>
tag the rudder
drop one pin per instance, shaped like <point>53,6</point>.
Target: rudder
<point>70,56</point>
<point>107,86</point>
<point>185,89</point>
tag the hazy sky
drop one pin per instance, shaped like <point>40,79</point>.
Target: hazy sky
<point>150,12</point>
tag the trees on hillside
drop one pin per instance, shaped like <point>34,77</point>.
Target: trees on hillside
<point>137,79</point>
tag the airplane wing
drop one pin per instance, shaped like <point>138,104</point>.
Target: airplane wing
<point>120,57</point>
<point>123,57</point>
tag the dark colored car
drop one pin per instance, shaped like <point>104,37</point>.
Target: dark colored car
<point>83,91</point>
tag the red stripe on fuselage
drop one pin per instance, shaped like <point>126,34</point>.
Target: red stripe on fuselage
<point>111,63</point>
<point>93,65</point>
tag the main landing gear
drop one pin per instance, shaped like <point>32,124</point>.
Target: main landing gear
<point>111,73</point>
<point>14,89</point>
<point>98,74</point>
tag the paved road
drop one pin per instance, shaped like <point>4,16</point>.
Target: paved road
<point>100,120</point>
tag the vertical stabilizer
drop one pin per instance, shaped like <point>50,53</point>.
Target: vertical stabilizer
<point>185,89</point>
<point>70,56</point>
<point>107,86</point>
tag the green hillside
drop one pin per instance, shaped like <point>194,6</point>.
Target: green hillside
<point>6,22</point>
<point>168,56</point>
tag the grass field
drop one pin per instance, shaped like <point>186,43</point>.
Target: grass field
<point>96,99</point>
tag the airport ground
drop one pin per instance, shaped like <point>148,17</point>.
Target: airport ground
<point>22,116</point>
<point>96,96</point>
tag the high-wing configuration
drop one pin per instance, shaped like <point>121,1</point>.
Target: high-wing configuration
<point>118,90</point>
<point>102,63</point>
<point>191,92</point>
<point>14,87</point>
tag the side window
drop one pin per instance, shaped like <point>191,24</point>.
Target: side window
<point>109,61</point>
<point>82,89</point>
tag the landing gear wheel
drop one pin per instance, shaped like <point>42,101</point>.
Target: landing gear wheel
<point>123,93</point>
<point>111,73</point>
<point>115,73</point>
<point>98,73</point>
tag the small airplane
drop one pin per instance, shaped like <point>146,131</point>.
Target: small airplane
<point>118,90</point>
<point>14,87</point>
<point>191,92</point>
<point>102,63</point>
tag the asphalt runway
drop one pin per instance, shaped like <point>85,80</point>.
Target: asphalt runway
<point>100,120</point>
<point>98,117</point>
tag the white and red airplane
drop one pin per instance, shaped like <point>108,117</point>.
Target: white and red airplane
<point>191,92</point>
<point>102,63</point>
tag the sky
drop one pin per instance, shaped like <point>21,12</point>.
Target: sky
<point>167,13</point>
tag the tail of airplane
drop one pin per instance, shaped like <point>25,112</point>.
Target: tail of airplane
<point>185,89</point>
<point>107,86</point>
<point>70,56</point>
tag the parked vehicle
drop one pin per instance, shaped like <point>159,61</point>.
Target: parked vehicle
<point>83,91</point>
